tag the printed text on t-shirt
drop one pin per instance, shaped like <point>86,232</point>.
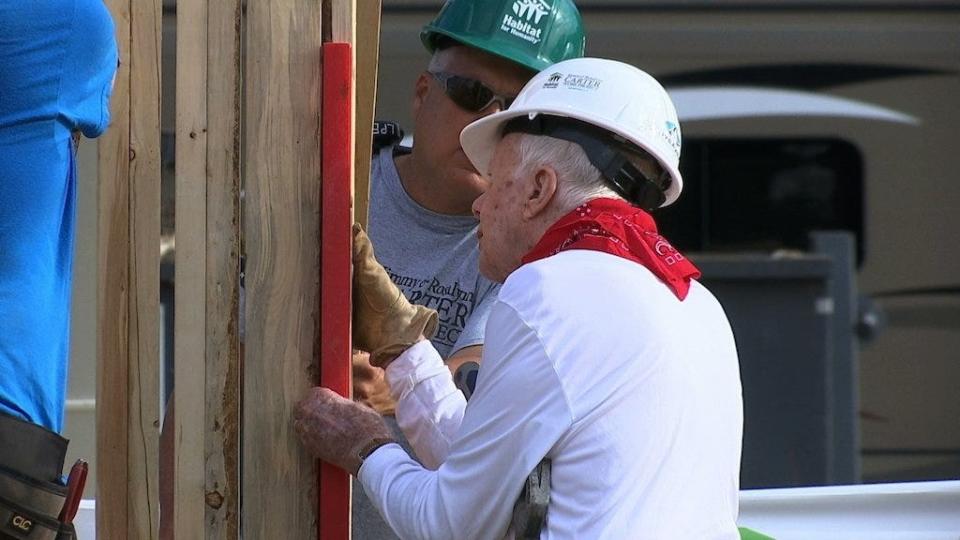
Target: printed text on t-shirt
<point>452,303</point>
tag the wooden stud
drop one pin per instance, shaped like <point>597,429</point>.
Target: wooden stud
<point>208,245</point>
<point>144,383</point>
<point>367,60</point>
<point>343,20</point>
<point>128,283</point>
<point>281,222</point>
<point>223,348</point>
<point>113,218</point>
<point>190,277</point>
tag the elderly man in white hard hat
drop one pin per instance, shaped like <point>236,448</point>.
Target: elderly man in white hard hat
<point>603,352</point>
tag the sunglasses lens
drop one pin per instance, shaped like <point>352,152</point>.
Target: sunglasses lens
<point>470,94</point>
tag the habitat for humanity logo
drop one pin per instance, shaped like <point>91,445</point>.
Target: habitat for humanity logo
<point>554,80</point>
<point>581,83</point>
<point>526,24</point>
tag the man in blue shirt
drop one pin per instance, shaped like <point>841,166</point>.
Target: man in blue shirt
<point>58,59</point>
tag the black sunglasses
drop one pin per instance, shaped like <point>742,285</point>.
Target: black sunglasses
<point>470,94</point>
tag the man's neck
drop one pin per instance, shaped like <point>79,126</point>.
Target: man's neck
<point>422,188</point>
<point>538,226</point>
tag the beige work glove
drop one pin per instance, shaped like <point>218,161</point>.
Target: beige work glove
<point>384,322</point>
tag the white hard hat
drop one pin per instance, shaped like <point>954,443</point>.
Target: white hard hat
<point>626,104</point>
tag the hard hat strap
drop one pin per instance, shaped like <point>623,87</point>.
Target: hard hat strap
<point>606,151</point>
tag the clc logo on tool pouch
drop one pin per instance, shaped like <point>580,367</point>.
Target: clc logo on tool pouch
<point>20,523</point>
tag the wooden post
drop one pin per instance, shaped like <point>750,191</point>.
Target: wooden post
<point>281,222</point>
<point>367,60</point>
<point>207,270</point>
<point>128,244</point>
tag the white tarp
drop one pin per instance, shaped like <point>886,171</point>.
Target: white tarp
<point>914,511</point>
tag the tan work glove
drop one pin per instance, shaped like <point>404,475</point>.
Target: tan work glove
<point>384,322</point>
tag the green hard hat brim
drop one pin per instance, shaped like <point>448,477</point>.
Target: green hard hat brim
<point>430,34</point>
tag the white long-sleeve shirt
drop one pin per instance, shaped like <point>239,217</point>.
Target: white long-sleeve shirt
<point>593,362</point>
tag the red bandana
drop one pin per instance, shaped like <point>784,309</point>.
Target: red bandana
<point>613,226</point>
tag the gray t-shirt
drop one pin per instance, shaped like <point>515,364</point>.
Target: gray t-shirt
<point>432,257</point>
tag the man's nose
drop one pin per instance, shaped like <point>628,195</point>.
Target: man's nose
<point>476,207</point>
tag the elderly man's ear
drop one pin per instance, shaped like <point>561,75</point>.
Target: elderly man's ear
<point>539,192</point>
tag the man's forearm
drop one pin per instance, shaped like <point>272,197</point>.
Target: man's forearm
<point>429,406</point>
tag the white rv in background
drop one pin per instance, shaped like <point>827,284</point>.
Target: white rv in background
<point>801,115</point>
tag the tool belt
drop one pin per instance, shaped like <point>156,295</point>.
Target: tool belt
<point>32,496</point>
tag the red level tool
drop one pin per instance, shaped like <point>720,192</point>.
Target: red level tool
<point>333,517</point>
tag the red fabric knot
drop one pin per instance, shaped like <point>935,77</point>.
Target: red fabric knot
<point>614,226</point>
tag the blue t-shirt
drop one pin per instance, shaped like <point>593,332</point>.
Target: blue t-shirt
<point>57,63</point>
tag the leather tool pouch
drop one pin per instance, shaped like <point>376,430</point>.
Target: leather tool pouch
<point>31,492</point>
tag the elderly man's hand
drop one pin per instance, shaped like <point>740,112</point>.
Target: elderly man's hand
<point>336,429</point>
<point>384,321</point>
<point>370,385</point>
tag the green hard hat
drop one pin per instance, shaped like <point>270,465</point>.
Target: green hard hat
<point>532,33</point>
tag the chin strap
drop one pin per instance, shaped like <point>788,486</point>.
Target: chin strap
<point>606,151</point>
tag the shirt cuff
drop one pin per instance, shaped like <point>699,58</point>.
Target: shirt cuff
<point>381,459</point>
<point>416,364</point>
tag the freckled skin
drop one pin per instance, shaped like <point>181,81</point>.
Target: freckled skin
<point>500,215</point>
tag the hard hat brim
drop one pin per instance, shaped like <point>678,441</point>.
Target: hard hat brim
<point>430,34</point>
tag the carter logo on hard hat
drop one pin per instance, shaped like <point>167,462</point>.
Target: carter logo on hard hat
<point>581,82</point>
<point>527,21</point>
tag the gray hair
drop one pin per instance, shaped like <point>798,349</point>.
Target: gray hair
<point>578,180</point>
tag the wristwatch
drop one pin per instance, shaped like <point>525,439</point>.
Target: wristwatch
<point>370,447</point>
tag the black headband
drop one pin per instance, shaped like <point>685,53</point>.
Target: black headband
<point>606,152</point>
